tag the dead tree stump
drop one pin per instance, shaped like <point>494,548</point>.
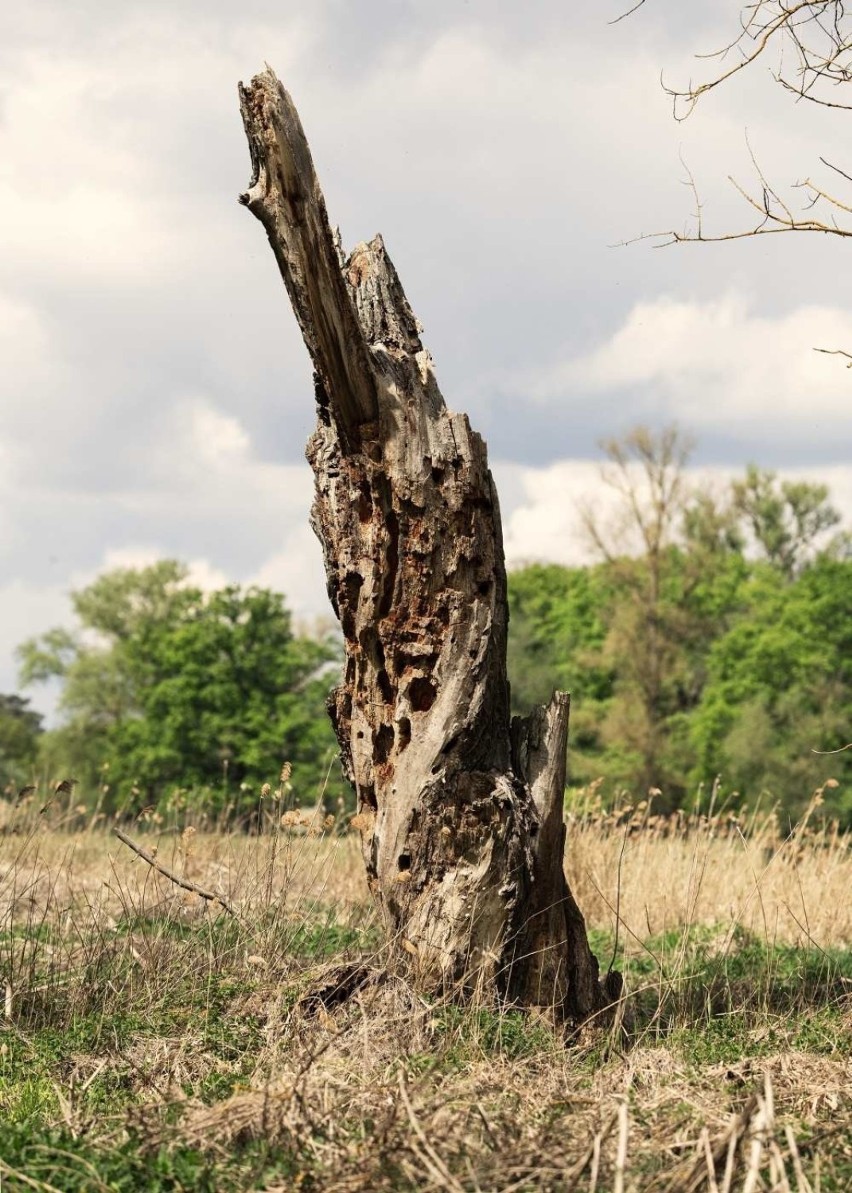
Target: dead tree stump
<point>460,812</point>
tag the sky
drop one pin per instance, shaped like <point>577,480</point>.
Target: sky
<point>155,396</point>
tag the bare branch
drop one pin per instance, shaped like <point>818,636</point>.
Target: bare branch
<point>819,193</point>
<point>836,352</point>
<point>149,857</point>
<point>813,99</point>
<point>836,169</point>
<point>627,14</point>
<point>813,40</point>
<point>761,35</point>
<point>775,214</point>
<point>812,30</point>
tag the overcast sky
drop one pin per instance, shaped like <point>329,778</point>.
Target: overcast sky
<point>155,396</point>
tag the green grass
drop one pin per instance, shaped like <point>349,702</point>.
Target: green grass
<point>725,986</point>
<point>149,1051</point>
<point>463,1034</point>
<point>705,1004</point>
<point>53,1156</point>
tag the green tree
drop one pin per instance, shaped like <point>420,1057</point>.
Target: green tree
<point>20,730</point>
<point>788,520</point>
<point>167,686</point>
<point>227,691</point>
<point>99,689</point>
<point>712,637</point>
<point>779,688</point>
<point>673,560</point>
<point>556,636</point>
<point>629,636</point>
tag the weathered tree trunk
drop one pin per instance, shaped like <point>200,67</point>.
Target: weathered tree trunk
<point>460,813</point>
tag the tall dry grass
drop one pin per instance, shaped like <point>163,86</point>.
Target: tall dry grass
<point>211,1027</point>
<point>665,874</point>
<point>650,874</point>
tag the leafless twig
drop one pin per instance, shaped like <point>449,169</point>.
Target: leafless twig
<point>814,34</point>
<point>627,14</point>
<point>775,214</point>
<point>813,42</point>
<point>185,883</point>
<point>836,352</point>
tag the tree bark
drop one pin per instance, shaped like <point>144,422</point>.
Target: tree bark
<point>460,813</point>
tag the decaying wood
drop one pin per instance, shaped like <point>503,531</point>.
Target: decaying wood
<point>460,814</point>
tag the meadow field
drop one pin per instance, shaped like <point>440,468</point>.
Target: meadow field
<point>156,1039</point>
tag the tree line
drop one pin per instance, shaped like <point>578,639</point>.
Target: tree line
<point>170,694</point>
<point>709,644</point>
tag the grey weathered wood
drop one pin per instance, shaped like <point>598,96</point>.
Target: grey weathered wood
<point>460,816</point>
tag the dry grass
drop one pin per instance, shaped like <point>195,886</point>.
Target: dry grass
<point>152,1040</point>
<point>705,869</point>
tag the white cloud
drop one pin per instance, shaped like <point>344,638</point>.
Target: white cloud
<point>152,374</point>
<point>6,481</point>
<point>200,572</point>
<point>26,610</point>
<point>22,334</point>
<point>76,200</point>
<point>720,364</point>
<point>103,143</point>
<point>544,523</point>
<point>217,439</point>
<point>28,356</point>
<point>297,571</point>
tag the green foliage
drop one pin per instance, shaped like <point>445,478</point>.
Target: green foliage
<point>557,631</point>
<point>779,687</point>
<point>20,729</point>
<point>715,636</point>
<point>712,636</point>
<point>77,1164</point>
<point>714,987</point>
<point>165,687</point>
<point>786,518</point>
<point>556,641</point>
<point>226,689</point>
